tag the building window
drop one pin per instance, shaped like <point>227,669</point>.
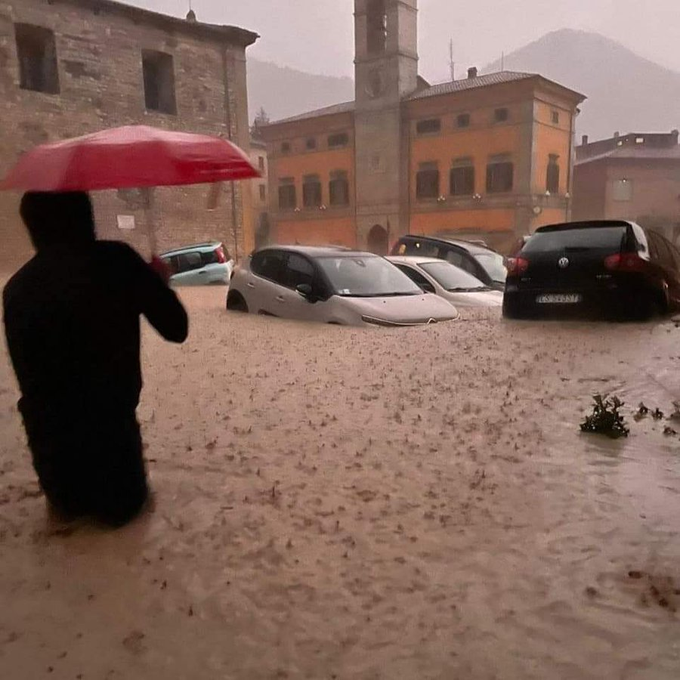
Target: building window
<point>311,191</point>
<point>37,52</point>
<point>500,176</point>
<point>339,188</point>
<point>287,194</point>
<point>462,178</point>
<point>285,147</point>
<point>463,120</point>
<point>260,163</point>
<point>376,25</point>
<point>263,192</point>
<point>552,180</point>
<point>555,117</point>
<point>428,127</point>
<point>427,181</point>
<point>639,140</point>
<point>159,82</point>
<point>501,115</point>
<point>622,190</point>
<point>338,140</point>
<point>311,144</point>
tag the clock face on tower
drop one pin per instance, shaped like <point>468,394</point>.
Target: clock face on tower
<point>375,86</point>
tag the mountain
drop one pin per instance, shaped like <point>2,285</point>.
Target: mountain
<point>285,92</point>
<point>625,91</point>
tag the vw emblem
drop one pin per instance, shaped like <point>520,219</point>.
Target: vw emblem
<point>563,262</point>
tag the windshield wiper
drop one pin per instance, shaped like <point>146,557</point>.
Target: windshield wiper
<point>376,295</point>
<point>477,289</point>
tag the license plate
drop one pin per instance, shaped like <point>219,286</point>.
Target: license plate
<point>558,299</point>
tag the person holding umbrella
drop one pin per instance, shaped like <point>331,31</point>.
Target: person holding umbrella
<point>72,313</point>
<point>72,326</point>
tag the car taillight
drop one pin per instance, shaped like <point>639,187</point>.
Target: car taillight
<point>624,262</point>
<point>220,255</point>
<point>517,266</point>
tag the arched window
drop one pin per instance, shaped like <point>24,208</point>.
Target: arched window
<point>376,17</point>
<point>311,191</point>
<point>552,179</point>
<point>339,188</point>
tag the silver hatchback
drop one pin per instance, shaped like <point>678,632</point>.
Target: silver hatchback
<point>332,285</point>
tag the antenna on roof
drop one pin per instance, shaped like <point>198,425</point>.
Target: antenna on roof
<point>502,61</point>
<point>452,63</point>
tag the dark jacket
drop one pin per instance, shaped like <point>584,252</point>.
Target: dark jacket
<point>72,321</point>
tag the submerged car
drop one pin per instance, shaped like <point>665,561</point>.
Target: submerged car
<point>199,265</point>
<point>332,285</point>
<point>611,268</point>
<point>448,281</point>
<point>483,263</point>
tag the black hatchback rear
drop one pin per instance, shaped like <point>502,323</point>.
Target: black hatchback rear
<point>610,268</point>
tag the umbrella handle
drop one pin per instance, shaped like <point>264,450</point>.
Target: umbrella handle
<point>151,232</point>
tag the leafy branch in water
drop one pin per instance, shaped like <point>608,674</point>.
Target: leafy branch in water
<point>606,418</point>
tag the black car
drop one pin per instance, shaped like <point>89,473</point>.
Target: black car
<point>611,268</point>
<point>482,262</point>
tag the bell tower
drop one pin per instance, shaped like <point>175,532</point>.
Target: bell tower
<point>386,71</point>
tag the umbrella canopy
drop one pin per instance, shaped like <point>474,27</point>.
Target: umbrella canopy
<point>126,158</point>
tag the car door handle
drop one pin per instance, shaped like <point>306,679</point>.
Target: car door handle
<point>280,298</point>
<point>250,285</point>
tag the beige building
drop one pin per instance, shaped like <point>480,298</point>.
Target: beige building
<point>77,66</point>
<point>260,201</point>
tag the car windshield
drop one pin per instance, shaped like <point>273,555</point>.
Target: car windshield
<point>452,278</point>
<point>597,238</point>
<point>366,276</point>
<point>493,264</point>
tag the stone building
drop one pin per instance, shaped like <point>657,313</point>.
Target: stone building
<point>261,224</point>
<point>632,177</point>
<point>69,67</point>
<point>489,156</point>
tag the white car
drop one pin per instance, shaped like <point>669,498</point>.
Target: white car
<point>204,264</point>
<point>332,285</point>
<point>448,281</point>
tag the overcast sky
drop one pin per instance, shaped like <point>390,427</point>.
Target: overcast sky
<point>316,35</point>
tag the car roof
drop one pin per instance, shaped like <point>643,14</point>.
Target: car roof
<point>319,251</point>
<point>589,224</point>
<point>416,259</point>
<point>196,246</point>
<point>460,243</point>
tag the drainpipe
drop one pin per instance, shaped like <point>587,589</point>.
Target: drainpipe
<point>227,109</point>
<point>572,161</point>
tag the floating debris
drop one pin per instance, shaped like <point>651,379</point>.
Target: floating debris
<point>606,418</point>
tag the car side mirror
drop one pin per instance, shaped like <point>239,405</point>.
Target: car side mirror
<point>305,290</point>
<point>427,287</point>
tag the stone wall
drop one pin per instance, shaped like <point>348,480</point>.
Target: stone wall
<point>99,45</point>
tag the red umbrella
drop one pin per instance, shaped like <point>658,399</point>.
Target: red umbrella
<point>129,157</point>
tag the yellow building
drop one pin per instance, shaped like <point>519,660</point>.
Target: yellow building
<point>488,156</point>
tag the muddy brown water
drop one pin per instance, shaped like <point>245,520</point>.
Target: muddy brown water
<point>344,503</point>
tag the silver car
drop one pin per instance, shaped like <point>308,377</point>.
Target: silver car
<point>448,281</point>
<point>332,285</point>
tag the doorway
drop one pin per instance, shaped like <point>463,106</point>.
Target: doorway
<point>378,240</point>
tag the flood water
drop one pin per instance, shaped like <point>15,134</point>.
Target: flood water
<point>340,503</point>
